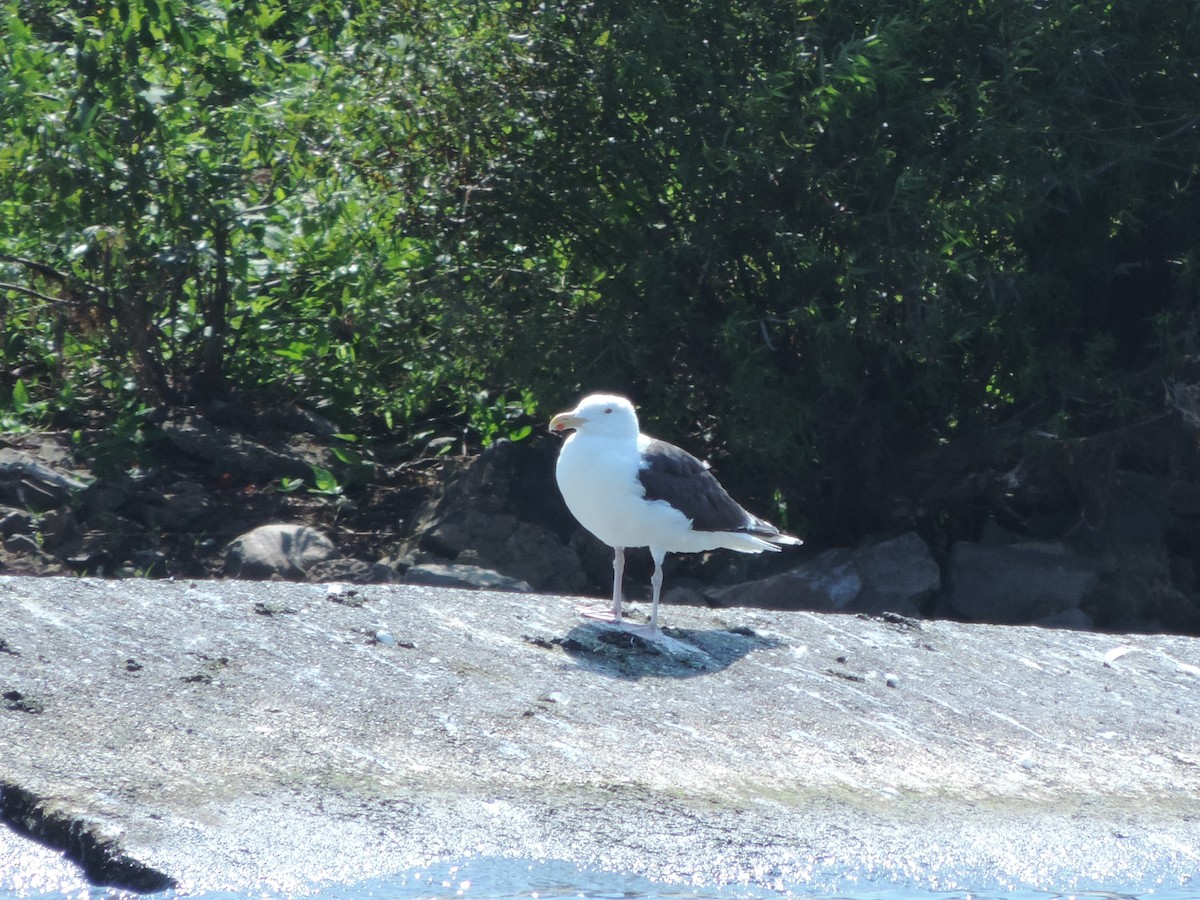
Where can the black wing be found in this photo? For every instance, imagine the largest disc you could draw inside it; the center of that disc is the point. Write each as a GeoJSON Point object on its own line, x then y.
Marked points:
{"type": "Point", "coordinates": [674, 475]}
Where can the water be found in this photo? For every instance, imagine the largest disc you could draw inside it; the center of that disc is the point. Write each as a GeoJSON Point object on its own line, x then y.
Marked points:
{"type": "Point", "coordinates": [28, 870]}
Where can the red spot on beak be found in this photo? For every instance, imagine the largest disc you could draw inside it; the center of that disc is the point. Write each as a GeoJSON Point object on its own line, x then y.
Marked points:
{"type": "Point", "coordinates": [563, 422]}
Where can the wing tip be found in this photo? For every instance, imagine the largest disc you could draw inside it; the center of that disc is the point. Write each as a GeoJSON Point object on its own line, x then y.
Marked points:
{"type": "Point", "coordinates": [786, 540]}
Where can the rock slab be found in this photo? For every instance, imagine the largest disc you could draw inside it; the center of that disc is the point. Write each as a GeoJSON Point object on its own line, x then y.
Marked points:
{"type": "Point", "coordinates": [895, 575]}
{"type": "Point", "coordinates": [244, 735]}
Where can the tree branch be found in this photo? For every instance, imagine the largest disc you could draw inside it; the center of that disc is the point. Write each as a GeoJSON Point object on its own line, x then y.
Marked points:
{"type": "Point", "coordinates": [21, 289]}
{"type": "Point", "coordinates": [51, 272]}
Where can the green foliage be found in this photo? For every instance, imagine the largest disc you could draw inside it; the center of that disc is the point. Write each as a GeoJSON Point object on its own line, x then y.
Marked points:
{"type": "Point", "coordinates": [835, 234]}
{"type": "Point", "coordinates": [185, 203]}
{"type": "Point", "coordinates": [810, 238]}
{"type": "Point", "coordinates": [325, 482]}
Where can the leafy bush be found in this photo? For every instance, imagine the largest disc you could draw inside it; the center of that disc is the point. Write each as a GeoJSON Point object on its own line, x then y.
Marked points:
{"type": "Point", "coordinates": [183, 204]}
{"type": "Point", "coordinates": [824, 237]}
{"type": "Point", "coordinates": [811, 239]}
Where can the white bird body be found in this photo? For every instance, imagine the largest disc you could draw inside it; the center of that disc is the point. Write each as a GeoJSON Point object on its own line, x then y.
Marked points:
{"type": "Point", "coordinates": [630, 490]}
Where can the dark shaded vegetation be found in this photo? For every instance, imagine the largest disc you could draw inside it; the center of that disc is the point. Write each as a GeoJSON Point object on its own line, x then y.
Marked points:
{"type": "Point", "coordinates": [822, 244]}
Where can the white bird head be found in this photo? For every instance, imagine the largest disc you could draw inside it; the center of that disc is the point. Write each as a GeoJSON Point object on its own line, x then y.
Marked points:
{"type": "Point", "coordinates": [609, 415]}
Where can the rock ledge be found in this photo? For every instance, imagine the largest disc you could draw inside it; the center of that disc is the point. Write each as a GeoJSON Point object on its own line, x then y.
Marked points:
{"type": "Point", "coordinates": [236, 735]}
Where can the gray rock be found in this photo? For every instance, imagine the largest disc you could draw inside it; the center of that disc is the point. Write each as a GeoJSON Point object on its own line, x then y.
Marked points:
{"type": "Point", "coordinates": [187, 734]}
{"type": "Point", "coordinates": [1016, 584]}
{"type": "Point", "coordinates": [898, 575]}
{"type": "Point", "coordinates": [28, 483]}
{"type": "Point", "coordinates": [827, 583]}
{"type": "Point", "coordinates": [227, 450]}
{"type": "Point", "coordinates": [277, 551]}
{"type": "Point", "coordinates": [15, 521]}
{"type": "Point", "coordinates": [463, 576]}
{"type": "Point", "coordinates": [179, 506]}
{"type": "Point", "coordinates": [894, 575]}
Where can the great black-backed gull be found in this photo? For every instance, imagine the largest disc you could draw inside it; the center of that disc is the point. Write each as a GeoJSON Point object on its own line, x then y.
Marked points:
{"type": "Point", "coordinates": [631, 490]}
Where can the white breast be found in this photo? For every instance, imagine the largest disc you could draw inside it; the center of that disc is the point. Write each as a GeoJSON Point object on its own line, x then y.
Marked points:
{"type": "Point", "coordinates": [598, 479]}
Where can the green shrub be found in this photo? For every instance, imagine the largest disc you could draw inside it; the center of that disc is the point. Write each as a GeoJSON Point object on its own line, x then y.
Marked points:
{"type": "Point", "coordinates": [811, 239]}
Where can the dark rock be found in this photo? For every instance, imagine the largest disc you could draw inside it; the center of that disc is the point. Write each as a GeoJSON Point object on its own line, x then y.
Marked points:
{"type": "Point", "coordinates": [282, 551]}
{"type": "Point", "coordinates": [263, 608]}
{"type": "Point", "coordinates": [232, 452]}
{"type": "Point", "coordinates": [1130, 510]}
{"type": "Point", "coordinates": [896, 575]}
{"type": "Point", "coordinates": [827, 583]}
{"type": "Point", "coordinates": [1016, 584]}
{"type": "Point", "coordinates": [180, 505]}
{"type": "Point", "coordinates": [289, 418]}
{"type": "Point", "coordinates": [186, 502]}
{"type": "Point", "coordinates": [110, 538]}
{"type": "Point", "coordinates": [22, 543]}
{"type": "Point", "coordinates": [1183, 573]}
{"type": "Point", "coordinates": [303, 421]}
{"type": "Point", "coordinates": [1183, 499]}
{"type": "Point", "coordinates": [502, 512]}
{"type": "Point", "coordinates": [15, 521]}
{"type": "Point", "coordinates": [56, 526]}
{"type": "Point", "coordinates": [149, 563]}
{"type": "Point", "coordinates": [343, 596]}
{"type": "Point", "coordinates": [27, 483]}
{"type": "Point", "coordinates": [107, 496]}
{"type": "Point", "coordinates": [87, 562]}
{"type": "Point", "coordinates": [17, 701]}
{"type": "Point", "coordinates": [1129, 531]}
{"type": "Point", "coordinates": [683, 593]}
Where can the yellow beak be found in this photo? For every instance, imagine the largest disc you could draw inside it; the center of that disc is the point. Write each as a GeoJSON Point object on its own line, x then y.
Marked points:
{"type": "Point", "coordinates": [565, 422]}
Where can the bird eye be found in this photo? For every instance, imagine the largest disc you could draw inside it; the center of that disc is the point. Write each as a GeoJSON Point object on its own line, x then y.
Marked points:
{"type": "Point", "coordinates": [607, 411]}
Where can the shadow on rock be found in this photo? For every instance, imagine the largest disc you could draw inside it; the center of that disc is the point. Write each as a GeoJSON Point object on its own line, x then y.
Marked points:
{"type": "Point", "coordinates": [675, 653]}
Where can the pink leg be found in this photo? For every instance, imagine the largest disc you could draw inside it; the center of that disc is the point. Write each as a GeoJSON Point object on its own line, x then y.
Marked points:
{"type": "Point", "coordinates": [649, 632]}
{"type": "Point", "coordinates": [613, 615]}
{"type": "Point", "coordinates": [656, 581]}
{"type": "Point", "coordinates": [618, 581]}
